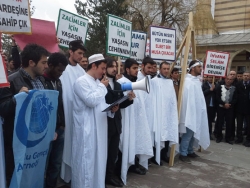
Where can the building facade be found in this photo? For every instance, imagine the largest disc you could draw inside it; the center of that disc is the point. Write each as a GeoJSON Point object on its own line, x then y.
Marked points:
{"type": "Point", "coordinates": [224, 25]}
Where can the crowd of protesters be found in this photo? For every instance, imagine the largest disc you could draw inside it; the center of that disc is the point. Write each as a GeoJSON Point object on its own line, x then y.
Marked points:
{"type": "Point", "coordinates": [227, 103]}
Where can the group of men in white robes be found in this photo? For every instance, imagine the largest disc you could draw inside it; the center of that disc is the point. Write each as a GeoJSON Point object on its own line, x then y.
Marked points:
{"type": "Point", "coordinates": [161, 117]}
{"type": "Point", "coordinates": [148, 123]}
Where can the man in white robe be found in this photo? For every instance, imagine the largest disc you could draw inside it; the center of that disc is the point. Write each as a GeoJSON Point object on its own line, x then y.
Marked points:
{"type": "Point", "coordinates": [164, 110]}
{"type": "Point", "coordinates": [146, 98]}
{"type": "Point", "coordinates": [193, 124]}
{"type": "Point", "coordinates": [68, 78]}
{"type": "Point", "coordinates": [89, 145]}
{"type": "Point", "coordinates": [135, 139]}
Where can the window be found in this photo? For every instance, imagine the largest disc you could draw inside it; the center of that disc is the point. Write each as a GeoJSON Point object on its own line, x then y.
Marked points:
{"type": "Point", "coordinates": [241, 68]}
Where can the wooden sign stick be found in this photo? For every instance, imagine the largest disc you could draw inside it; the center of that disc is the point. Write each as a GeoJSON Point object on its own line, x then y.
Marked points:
{"type": "Point", "coordinates": [190, 38]}
{"type": "Point", "coordinates": [178, 54]}
{"type": "Point", "coordinates": [119, 65]}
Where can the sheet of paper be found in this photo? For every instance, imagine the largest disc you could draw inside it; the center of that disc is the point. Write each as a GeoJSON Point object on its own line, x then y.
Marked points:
{"type": "Point", "coordinates": [119, 101]}
{"type": "Point", "coordinates": [3, 74]}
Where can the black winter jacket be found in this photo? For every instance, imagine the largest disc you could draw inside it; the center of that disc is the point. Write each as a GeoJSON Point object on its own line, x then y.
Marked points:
{"type": "Point", "coordinates": [114, 124]}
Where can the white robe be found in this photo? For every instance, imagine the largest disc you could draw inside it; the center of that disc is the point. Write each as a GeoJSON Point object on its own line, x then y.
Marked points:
{"type": "Point", "coordinates": [147, 99]}
{"type": "Point", "coordinates": [140, 76]}
{"type": "Point", "coordinates": [89, 146]}
{"type": "Point", "coordinates": [193, 112]}
{"type": "Point", "coordinates": [135, 138]}
{"type": "Point", "coordinates": [2, 163]}
{"type": "Point", "coordinates": [68, 78]}
{"type": "Point", "coordinates": [165, 114]}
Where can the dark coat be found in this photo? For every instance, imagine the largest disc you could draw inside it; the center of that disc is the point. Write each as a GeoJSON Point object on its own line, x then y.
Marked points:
{"type": "Point", "coordinates": [243, 102]}
{"type": "Point", "coordinates": [60, 120]}
{"type": "Point", "coordinates": [115, 124]}
{"type": "Point", "coordinates": [8, 104]}
{"type": "Point", "coordinates": [208, 94]}
{"type": "Point", "coordinates": [218, 97]}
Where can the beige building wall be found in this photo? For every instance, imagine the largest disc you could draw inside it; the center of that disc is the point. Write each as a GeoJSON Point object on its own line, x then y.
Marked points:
{"type": "Point", "coordinates": [232, 15]}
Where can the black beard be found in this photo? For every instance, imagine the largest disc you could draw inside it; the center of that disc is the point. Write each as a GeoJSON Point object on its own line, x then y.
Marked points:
{"type": "Point", "coordinates": [131, 78]}
{"type": "Point", "coordinates": [110, 76]}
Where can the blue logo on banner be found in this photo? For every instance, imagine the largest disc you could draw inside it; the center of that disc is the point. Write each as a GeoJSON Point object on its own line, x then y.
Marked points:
{"type": "Point", "coordinates": [40, 115]}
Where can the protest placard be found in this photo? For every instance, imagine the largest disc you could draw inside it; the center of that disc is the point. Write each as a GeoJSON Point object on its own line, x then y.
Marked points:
{"type": "Point", "coordinates": [3, 74]}
{"type": "Point", "coordinates": [43, 33]}
{"type": "Point", "coordinates": [216, 63]}
{"type": "Point", "coordinates": [71, 27]}
{"type": "Point", "coordinates": [162, 43]}
{"type": "Point", "coordinates": [138, 46]}
{"type": "Point", "coordinates": [15, 16]}
{"type": "Point", "coordinates": [147, 52]}
{"type": "Point", "coordinates": [119, 36]}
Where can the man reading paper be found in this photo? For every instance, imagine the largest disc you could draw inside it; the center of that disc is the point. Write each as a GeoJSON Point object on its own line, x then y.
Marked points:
{"type": "Point", "coordinates": [89, 138]}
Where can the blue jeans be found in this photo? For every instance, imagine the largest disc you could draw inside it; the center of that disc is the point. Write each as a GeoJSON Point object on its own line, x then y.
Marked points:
{"type": "Point", "coordinates": [187, 142]}
{"type": "Point", "coordinates": [54, 160]}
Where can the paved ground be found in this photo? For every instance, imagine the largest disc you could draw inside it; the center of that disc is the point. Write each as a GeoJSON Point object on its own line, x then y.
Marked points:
{"type": "Point", "coordinates": [222, 165]}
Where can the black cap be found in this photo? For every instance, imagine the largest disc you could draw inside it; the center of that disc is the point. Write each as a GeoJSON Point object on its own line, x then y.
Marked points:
{"type": "Point", "coordinates": [77, 44]}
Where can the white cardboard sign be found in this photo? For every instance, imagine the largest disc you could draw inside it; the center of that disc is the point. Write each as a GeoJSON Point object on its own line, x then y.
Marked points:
{"type": "Point", "coordinates": [216, 63]}
{"type": "Point", "coordinates": [147, 52]}
{"type": "Point", "coordinates": [162, 43]}
{"type": "Point", "coordinates": [71, 27]}
{"type": "Point", "coordinates": [15, 16]}
{"type": "Point", "coordinates": [3, 76]}
{"type": "Point", "coordinates": [119, 36]}
{"type": "Point", "coordinates": [138, 46]}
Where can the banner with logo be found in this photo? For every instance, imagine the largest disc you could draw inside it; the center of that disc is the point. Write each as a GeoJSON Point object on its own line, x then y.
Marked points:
{"type": "Point", "coordinates": [216, 63]}
{"type": "Point", "coordinates": [71, 27]}
{"type": "Point", "coordinates": [119, 36]}
{"type": "Point", "coordinates": [162, 43]}
{"type": "Point", "coordinates": [15, 16]}
{"type": "Point", "coordinates": [34, 129]}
